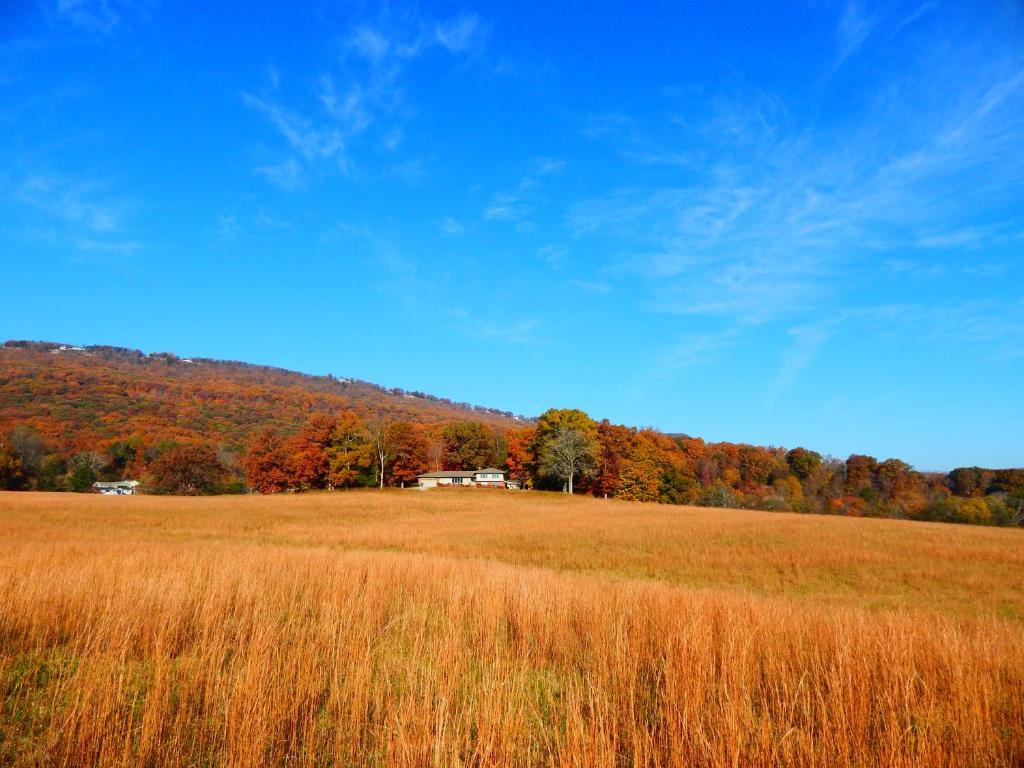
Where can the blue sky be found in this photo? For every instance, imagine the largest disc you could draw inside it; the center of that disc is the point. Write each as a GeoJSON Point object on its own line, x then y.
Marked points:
{"type": "Point", "coordinates": [799, 224]}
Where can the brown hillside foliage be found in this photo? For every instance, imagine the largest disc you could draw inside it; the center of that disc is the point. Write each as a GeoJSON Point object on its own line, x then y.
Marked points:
{"type": "Point", "coordinates": [82, 399]}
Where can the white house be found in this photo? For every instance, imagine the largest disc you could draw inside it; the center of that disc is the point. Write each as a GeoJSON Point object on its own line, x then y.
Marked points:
{"type": "Point", "coordinates": [488, 477]}
{"type": "Point", "coordinates": [120, 488]}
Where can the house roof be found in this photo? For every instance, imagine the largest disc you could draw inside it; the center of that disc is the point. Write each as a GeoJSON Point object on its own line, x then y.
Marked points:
{"type": "Point", "coordinates": [462, 473]}
{"type": "Point", "coordinates": [118, 484]}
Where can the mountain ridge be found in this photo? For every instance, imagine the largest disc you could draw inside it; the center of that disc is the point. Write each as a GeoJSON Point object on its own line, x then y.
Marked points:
{"type": "Point", "coordinates": [119, 391]}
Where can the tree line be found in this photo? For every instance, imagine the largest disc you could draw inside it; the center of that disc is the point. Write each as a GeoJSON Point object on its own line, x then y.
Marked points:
{"type": "Point", "coordinates": [563, 450]}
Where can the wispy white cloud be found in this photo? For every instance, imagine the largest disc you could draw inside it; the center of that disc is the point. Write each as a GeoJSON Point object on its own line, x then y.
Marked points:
{"type": "Point", "coordinates": [84, 203]}
{"type": "Point", "coordinates": [554, 254]}
{"type": "Point", "coordinates": [121, 247]}
{"type": "Point", "coordinates": [80, 214]}
{"type": "Point", "coordinates": [100, 16]}
{"type": "Point", "coordinates": [986, 328]}
{"type": "Point", "coordinates": [630, 140]}
{"type": "Point", "coordinates": [506, 207]}
{"type": "Point", "coordinates": [287, 174]}
{"type": "Point", "coordinates": [228, 227]}
{"type": "Point", "coordinates": [904, 268]}
{"type": "Point", "coordinates": [450, 226]}
{"type": "Point", "coordinates": [990, 329]}
{"type": "Point", "coordinates": [363, 97]}
{"type": "Point", "coordinates": [370, 44]}
{"type": "Point", "coordinates": [916, 13]}
{"type": "Point", "coordinates": [855, 25]}
{"type": "Point", "coordinates": [516, 206]}
{"type": "Point", "coordinates": [963, 236]}
{"type": "Point", "coordinates": [886, 22]}
{"type": "Point", "coordinates": [241, 222]}
{"type": "Point", "coordinates": [742, 115]}
{"type": "Point", "coordinates": [591, 286]}
{"type": "Point", "coordinates": [411, 171]}
{"type": "Point", "coordinates": [549, 165]}
{"type": "Point", "coordinates": [511, 332]}
{"type": "Point", "coordinates": [993, 328]}
{"type": "Point", "coordinates": [805, 343]}
{"type": "Point", "coordinates": [398, 274]}
{"type": "Point", "coordinates": [351, 110]}
{"type": "Point", "coordinates": [696, 349]}
{"type": "Point", "coordinates": [460, 34]}
{"type": "Point", "coordinates": [775, 215]}
{"type": "Point", "coordinates": [987, 270]}
{"type": "Point", "coordinates": [311, 142]}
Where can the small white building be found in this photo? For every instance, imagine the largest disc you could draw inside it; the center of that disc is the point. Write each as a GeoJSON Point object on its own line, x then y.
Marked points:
{"type": "Point", "coordinates": [488, 478]}
{"type": "Point", "coordinates": [119, 488]}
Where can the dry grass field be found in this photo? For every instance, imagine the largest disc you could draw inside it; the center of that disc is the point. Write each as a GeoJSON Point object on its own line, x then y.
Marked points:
{"type": "Point", "coordinates": [458, 628]}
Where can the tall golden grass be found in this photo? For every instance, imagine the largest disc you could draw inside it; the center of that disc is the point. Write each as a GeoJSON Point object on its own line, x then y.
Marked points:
{"type": "Point", "coordinates": [478, 628]}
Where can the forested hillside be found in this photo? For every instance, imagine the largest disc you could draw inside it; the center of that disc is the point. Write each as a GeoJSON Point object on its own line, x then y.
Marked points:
{"type": "Point", "coordinates": [70, 416]}
{"type": "Point", "coordinates": [79, 398]}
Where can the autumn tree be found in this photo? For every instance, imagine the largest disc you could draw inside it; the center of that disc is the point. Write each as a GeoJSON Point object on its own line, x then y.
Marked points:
{"type": "Point", "coordinates": [756, 465]}
{"type": "Point", "coordinates": [860, 474]}
{"type": "Point", "coordinates": [309, 465]}
{"type": "Point", "coordinates": [187, 470]}
{"type": "Point", "coordinates": [1014, 507]}
{"type": "Point", "coordinates": [52, 472]}
{"type": "Point", "coordinates": [557, 423]}
{"type": "Point", "coordinates": [435, 448]}
{"type": "Point", "coordinates": [900, 486]}
{"type": "Point", "coordinates": [499, 448]}
{"type": "Point", "coordinates": [467, 445]}
{"type": "Point", "coordinates": [521, 460]}
{"type": "Point", "coordinates": [349, 453]}
{"type": "Point", "coordinates": [803, 463]}
{"type": "Point", "coordinates": [85, 468]}
{"type": "Point", "coordinates": [678, 486]}
{"type": "Point", "coordinates": [727, 462]}
{"type": "Point", "coordinates": [640, 479]}
{"type": "Point", "coordinates": [568, 453]}
{"type": "Point", "coordinates": [970, 481]}
{"type": "Point", "coordinates": [692, 448]}
{"type": "Point", "coordinates": [11, 476]}
{"type": "Point", "coordinates": [826, 483]}
{"type": "Point", "coordinates": [552, 419]}
{"type": "Point", "coordinates": [971, 510]}
{"type": "Point", "coordinates": [789, 488]}
{"type": "Point", "coordinates": [124, 457]}
{"type": "Point", "coordinates": [411, 451]}
{"type": "Point", "coordinates": [615, 443]}
{"type": "Point", "coordinates": [266, 463]}
{"type": "Point", "coordinates": [1008, 481]}
{"type": "Point", "coordinates": [379, 430]}
{"type": "Point", "coordinates": [718, 495]}
{"type": "Point", "coordinates": [29, 447]}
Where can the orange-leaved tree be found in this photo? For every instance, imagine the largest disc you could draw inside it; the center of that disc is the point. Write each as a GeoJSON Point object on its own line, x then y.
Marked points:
{"type": "Point", "coordinates": [267, 463]}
